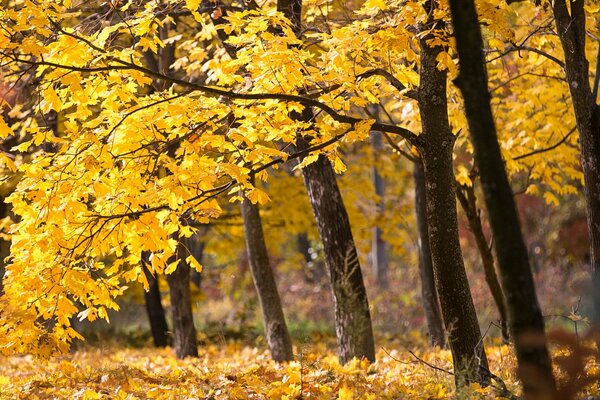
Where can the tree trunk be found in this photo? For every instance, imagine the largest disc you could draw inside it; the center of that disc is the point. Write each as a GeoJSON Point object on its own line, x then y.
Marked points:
{"type": "Point", "coordinates": [571, 30]}
{"type": "Point", "coordinates": [458, 311]}
{"type": "Point", "coordinates": [379, 249]}
{"type": "Point", "coordinates": [276, 330]}
{"type": "Point", "coordinates": [354, 331]}
{"type": "Point", "coordinates": [431, 305]}
{"type": "Point", "coordinates": [184, 331]}
{"type": "Point", "coordinates": [156, 312]}
{"type": "Point", "coordinates": [352, 316]}
{"type": "Point", "coordinates": [4, 244]}
{"type": "Point", "coordinates": [196, 245]}
{"type": "Point", "coordinates": [525, 317]}
{"type": "Point", "coordinates": [468, 202]}
{"type": "Point", "coordinates": [314, 268]}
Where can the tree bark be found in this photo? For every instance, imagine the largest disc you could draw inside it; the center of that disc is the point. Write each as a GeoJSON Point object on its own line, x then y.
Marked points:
{"type": "Point", "coordinates": [354, 330]}
{"type": "Point", "coordinates": [379, 248]}
{"type": "Point", "coordinates": [352, 316]}
{"type": "Point", "coordinates": [525, 317]}
{"type": "Point", "coordinates": [429, 295]}
{"type": "Point", "coordinates": [571, 31]}
{"type": "Point", "coordinates": [276, 330]}
{"type": "Point", "coordinates": [4, 244]}
{"type": "Point", "coordinates": [155, 310]}
{"type": "Point", "coordinates": [184, 331]}
{"type": "Point", "coordinates": [458, 311]}
{"type": "Point", "coordinates": [468, 202]}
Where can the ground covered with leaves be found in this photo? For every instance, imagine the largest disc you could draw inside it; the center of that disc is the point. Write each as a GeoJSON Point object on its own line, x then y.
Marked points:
{"type": "Point", "coordinates": [234, 371]}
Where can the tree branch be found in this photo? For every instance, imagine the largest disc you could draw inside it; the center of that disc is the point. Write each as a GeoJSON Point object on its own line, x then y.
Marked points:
{"type": "Point", "coordinates": [554, 146]}
{"type": "Point", "coordinates": [410, 93]}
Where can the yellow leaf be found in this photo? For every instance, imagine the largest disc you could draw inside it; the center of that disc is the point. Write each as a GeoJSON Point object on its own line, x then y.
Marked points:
{"type": "Point", "coordinates": [91, 395]}
{"type": "Point", "coordinates": [5, 130]}
{"type": "Point", "coordinates": [345, 393]}
{"type": "Point", "coordinates": [257, 196]}
{"type": "Point", "coordinates": [191, 260]}
{"type": "Point", "coordinates": [377, 4]}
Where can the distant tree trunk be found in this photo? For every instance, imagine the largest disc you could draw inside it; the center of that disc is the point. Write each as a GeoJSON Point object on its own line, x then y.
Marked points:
{"type": "Point", "coordinates": [379, 254]}
{"type": "Point", "coordinates": [184, 331]}
{"type": "Point", "coordinates": [525, 317]}
{"type": "Point", "coordinates": [468, 202]}
{"type": "Point", "coordinates": [460, 318]}
{"type": "Point", "coordinates": [155, 310]}
{"type": "Point", "coordinates": [354, 330]}
{"type": "Point", "coordinates": [4, 244]}
{"type": "Point", "coordinates": [196, 245]}
{"type": "Point", "coordinates": [431, 305]}
{"type": "Point", "coordinates": [315, 270]}
{"type": "Point", "coordinates": [276, 330]}
{"type": "Point", "coordinates": [571, 30]}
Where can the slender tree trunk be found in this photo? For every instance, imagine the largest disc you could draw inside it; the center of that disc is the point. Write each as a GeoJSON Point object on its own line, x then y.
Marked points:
{"type": "Point", "coordinates": [352, 316]}
{"type": "Point", "coordinates": [184, 331]}
{"type": "Point", "coordinates": [196, 245]}
{"type": "Point", "coordinates": [315, 270]}
{"type": "Point", "coordinates": [571, 30]}
{"type": "Point", "coordinates": [460, 318]}
{"type": "Point", "coordinates": [156, 312]}
{"type": "Point", "coordinates": [468, 202]}
{"type": "Point", "coordinates": [276, 330]}
{"type": "Point", "coordinates": [525, 317]}
{"type": "Point", "coordinates": [431, 304]}
{"type": "Point", "coordinates": [379, 248]}
{"type": "Point", "coordinates": [354, 330]}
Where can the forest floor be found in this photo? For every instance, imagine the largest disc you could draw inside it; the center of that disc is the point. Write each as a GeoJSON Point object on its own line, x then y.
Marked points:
{"type": "Point", "coordinates": [235, 371]}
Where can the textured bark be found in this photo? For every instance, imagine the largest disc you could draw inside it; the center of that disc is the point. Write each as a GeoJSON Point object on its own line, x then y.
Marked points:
{"type": "Point", "coordinates": [354, 330]}
{"type": "Point", "coordinates": [4, 244]}
{"type": "Point", "coordinates": [156, 312]}
{"type": "Point", "coordinates": [184, 331]}
{"type": "Point", "coordinates": [352, 316]}
{"type": "Point", "coordinates": [276, 330]}
{"type": "Point", "coordinates": [571, 30]}
{"type": "Point", "coordinates": [458, 311]}
{"type": "Point", "coordinates": [379, 248]}
{"type": "Point", "coordinates": [525, 317]}
{"type": "Point", "coordinates": [429, 295]}
{"type": "Point", "coordinates": [468, 202]}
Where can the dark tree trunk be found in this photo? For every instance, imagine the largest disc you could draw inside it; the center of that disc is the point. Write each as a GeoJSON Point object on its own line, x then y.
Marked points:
{"type": "Point", "coordinates": [276, 330]}
{"type": "Point", "coordinates": [525, 317]}
{"type": "Point", "coordinates": [571, 30]}
{"type": "Point", "coordinates": [155, 310]}
{"type": "Point", "coordinates": [431, 305]}
{"type": "Point", "coordinates": [379, 249]}
{"type": "Point", "coordinates": [315, 270]}
{"type": "Point", "coordinates": [4, 244]}
{"type": "Point", "coordinates": [196, 245]}
{"type": "Point", "coordinates": [354, 330]}
{"type": "Point", "coordinates": [458, 311]}
{"type": "Point", "coordinates": [468, 202]}
{"type": "Point", "coordinates": [184, 331]}
{"type": "Point", "coordinates": [352, 316]}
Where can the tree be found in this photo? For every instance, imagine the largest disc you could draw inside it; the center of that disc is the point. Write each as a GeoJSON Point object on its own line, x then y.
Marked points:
{"type": "Point", "coordinates": [276, 330]}
{"type": "Point", "coordinates": [430, 298]}
{"type": "Point", "coordinates": [570, 20]}
{"type": "Point", "coordinates": [354, 330]}
{"type": "Point", "coordinates": [525, 317]}
{"type": "Point", "coordinates": [436, 148]}
{"type": "Point", "coordinates": [468, 202]}
{"type": "Point", "coordinates": [156, 313]}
